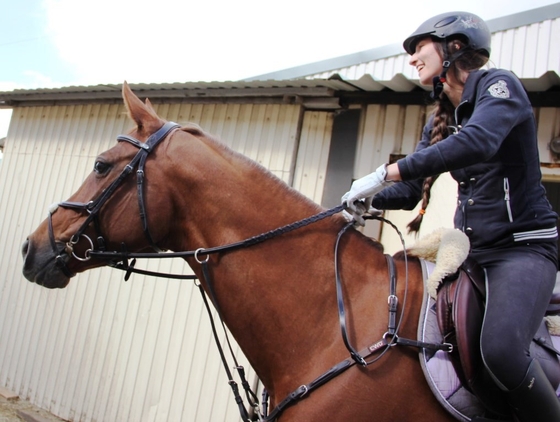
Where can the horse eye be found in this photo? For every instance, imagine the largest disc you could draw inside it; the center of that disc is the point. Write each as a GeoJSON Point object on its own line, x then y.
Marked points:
{"type": "Point", "coordinates": [101, 167]}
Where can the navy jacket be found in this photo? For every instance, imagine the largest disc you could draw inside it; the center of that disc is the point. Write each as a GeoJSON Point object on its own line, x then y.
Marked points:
{"type": "Point", "coordinates": [494, 159]}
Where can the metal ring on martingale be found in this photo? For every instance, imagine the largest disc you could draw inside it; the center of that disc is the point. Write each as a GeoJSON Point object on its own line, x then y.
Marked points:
{"type": "Point", "coordinates": [199, 250]}
{"type": "Point", "coordinates": [87, 256]}
{"type": "Point", "coordinates": [393, 341]}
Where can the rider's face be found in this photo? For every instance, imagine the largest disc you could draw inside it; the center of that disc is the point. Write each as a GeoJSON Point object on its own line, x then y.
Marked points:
{"type": "Point", "coordinates": [427, 61]}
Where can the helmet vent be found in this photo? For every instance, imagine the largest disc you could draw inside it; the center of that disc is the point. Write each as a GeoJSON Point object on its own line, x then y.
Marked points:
{"type": "Point", "coordinates": [446, 21]}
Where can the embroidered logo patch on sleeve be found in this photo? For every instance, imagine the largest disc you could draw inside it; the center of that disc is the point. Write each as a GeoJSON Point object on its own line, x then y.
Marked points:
{"type": "Point", "coordinates": [499, 90]}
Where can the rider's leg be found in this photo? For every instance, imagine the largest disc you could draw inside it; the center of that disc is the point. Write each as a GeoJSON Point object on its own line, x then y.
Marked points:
{"type": "Point", "coordinates": [520, 283]}
{"type": "Point", "coordinates": [534, 399]}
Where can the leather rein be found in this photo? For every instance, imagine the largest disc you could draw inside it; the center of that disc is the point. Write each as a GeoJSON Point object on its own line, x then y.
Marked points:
{"type": "Point", "coordinates": [120, 260]}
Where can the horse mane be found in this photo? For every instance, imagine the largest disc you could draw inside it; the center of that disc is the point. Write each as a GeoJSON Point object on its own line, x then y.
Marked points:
{"type": "Point", "coordinates": [263, 172]}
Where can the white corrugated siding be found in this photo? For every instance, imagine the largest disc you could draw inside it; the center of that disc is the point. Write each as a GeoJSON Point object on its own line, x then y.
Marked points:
{"type": "Point", "coordinates": [529, 51]}
{"type": "Point", "coordinates": [313, 154]}
{"type": "Point", "coordinates": [103, 349]}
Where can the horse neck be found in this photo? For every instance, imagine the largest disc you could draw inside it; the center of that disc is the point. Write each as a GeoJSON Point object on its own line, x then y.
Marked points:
{"type": "Point", "coordinates": [267, 291]}
{"type": "Point", "coordinates": [223, 197]}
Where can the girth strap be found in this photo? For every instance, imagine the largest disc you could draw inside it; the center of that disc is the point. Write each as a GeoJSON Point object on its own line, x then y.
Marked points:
{"type": "Point", "coordinates": [392, 300]}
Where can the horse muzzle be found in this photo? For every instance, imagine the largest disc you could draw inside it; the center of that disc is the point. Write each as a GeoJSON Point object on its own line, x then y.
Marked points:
{"type": "Point", "coordinates": [44, 269]}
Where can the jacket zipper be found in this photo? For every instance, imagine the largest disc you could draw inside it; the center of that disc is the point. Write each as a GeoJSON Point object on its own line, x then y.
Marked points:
{"type": "Point", "coordinates": [458, 127]}
{"type": "Point", "coordinates": [507, 199]}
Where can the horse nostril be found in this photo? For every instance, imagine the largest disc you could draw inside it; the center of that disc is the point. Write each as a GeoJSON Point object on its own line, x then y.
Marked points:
{"type": "Point", "coordinates": [25, 248]}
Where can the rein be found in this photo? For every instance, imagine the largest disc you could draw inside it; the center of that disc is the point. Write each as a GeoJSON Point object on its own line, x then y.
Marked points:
{"type": "Point", "coordinates": [120, 260]}
{"type": "Point", "coordinates": [124, 255]}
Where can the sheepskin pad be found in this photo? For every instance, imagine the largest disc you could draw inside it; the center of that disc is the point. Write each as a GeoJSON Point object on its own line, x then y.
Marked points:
{"type": "Point", "coordinates": [447, 248]}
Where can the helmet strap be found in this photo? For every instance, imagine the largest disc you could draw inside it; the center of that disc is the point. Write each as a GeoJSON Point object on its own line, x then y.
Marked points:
{"type": "Point", "coordinates": [438, 81]}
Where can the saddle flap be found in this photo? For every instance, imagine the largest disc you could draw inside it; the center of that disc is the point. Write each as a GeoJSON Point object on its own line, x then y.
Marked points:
{"type": "Point", "coordinates": [460, 311]}
{"type": "Point", "coordinates": [468, 315]}
{"type": "Point", "coordinates": [464, 300]}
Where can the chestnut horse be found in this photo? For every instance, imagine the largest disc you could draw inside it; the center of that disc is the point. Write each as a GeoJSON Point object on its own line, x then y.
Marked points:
{"type": "Point", "coordinates": [277, 297]}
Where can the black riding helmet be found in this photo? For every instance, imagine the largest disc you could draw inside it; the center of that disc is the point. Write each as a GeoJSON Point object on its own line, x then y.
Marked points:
{"type": "Point", "coordinates": [472, 29]}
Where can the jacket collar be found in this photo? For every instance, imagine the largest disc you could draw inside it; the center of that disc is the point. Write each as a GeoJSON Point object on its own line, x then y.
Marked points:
{"type": "Point", "coordinates": [469, 92]}
{"type": "Point", "coordinates": [468, 98]}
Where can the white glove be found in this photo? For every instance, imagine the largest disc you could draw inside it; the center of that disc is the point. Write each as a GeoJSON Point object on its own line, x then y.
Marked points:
{"type": "Point", "coordinates": [357, 216]}
{"type": "Point", "coordinates": [366, 187]}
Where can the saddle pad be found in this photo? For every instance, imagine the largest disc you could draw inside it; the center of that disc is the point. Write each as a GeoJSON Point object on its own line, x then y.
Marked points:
{"type": "Point", "coordinates": [437, 366]}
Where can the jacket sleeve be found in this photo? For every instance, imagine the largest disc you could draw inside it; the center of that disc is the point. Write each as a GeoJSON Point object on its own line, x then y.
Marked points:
{"type": "Point", "coordinates": [400, 196]}
{"type": "Point", "coordinates": [501, 104]}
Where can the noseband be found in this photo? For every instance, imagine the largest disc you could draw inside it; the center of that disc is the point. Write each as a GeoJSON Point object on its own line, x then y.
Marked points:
{"type": "Point", "coordinates": [93, 207]}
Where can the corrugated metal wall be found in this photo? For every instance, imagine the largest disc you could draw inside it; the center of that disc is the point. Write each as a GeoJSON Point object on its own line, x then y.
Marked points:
{"type": "Point", "coordinates": [313, 154]}
{"type": "Point", "coordinates": [103, 349]}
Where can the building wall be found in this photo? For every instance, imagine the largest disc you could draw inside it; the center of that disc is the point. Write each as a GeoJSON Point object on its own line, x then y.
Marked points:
{"type": "Point", "coordinates": [103, 349]}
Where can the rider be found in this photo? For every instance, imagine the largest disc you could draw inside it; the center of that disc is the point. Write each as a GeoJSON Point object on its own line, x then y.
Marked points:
{"type": "Point", "coordinates": [483, 132]}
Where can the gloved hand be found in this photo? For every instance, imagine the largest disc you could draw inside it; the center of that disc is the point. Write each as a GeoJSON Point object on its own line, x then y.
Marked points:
{"type": "Point", "coordinates": [358, 216]}
{"type": "Point", "coordinates": [365, 188]}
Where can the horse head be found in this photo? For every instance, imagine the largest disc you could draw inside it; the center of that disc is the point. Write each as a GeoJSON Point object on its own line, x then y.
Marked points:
{"type": "Point", "coordinates": [104, 212]}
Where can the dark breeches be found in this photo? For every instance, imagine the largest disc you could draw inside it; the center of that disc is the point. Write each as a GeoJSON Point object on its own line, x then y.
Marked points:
{"type": "Point", "coordinates": [519, 285]}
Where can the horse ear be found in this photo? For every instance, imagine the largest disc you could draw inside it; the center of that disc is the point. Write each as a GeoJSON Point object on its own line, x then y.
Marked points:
{"type": "Point", "coordinates": [142, 113]}
{"type": "Point", "coordinates": [150, 106]}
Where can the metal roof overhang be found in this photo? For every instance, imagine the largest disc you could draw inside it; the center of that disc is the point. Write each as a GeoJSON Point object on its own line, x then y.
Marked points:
{"type": "Point", "coordinates": [332, 93]}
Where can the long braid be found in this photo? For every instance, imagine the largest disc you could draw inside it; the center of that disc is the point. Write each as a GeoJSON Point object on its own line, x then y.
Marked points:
{"type": "Point", "coordinates": [443, 113]}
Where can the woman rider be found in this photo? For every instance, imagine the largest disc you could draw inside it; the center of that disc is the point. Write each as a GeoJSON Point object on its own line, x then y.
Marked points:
{"type": "Point", "coordinates": [484, 133]}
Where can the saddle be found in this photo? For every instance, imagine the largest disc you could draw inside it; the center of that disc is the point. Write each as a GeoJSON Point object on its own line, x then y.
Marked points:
{"type": "Point", "coordinates": [460, 307]}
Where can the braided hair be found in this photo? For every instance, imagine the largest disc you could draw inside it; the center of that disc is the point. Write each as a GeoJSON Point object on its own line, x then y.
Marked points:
{"type": "Point", "coordinates": [443, 112]}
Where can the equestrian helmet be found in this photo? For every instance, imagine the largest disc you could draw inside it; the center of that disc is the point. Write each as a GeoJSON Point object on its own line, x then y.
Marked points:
{"type": "Point", "coordinates": [445, 25]}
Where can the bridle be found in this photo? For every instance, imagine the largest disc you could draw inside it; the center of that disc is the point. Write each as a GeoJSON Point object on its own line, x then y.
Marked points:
{"type": "Point", "coordinates": [93, 207]}
{"type": "Point", "coordinates": [120, 260]}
